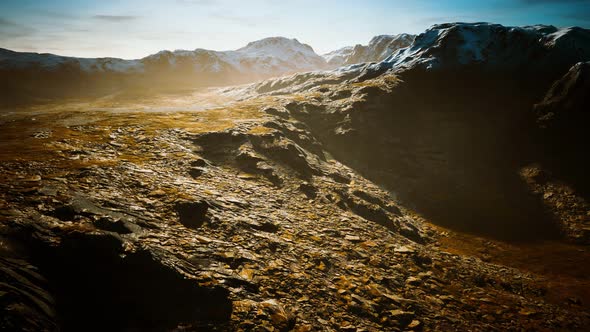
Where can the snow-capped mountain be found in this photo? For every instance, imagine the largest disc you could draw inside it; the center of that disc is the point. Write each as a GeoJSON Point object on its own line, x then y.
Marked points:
{"type": "Point", "coordinates": [11, 60]}
{"type": "Point", "coordinates": [266, 57]}
{"type": "Point", "coordinates": [338, 57]}
{"type": "Point", "coordinates": [536, 54]}
{"type": "Point", "coordinates": [494, 46]}
{"type": "Point", "coordinates": [272, 56]}
{"type": "Point", "coordinates": [49, 74]}
{"type": "Point", "coordinates": [379, 48]}
{"type": "Point", "coordinates": [277, 54]}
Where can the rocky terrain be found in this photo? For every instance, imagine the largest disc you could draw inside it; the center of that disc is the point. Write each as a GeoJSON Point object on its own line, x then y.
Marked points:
{"type": "Point", "coordinates": [464, 109]}
{"type": "Point", "coordinates": [379, 48]}
{"type": "Point", "coordinates": [430, 191]}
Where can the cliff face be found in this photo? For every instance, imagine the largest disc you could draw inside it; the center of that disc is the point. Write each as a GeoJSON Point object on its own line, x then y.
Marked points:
{"type": "Point", "coordinates": [561, 175]}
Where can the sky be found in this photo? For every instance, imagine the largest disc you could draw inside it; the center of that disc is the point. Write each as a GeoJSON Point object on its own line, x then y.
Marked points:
{"type": "Point", "coordinates": [136, 28]}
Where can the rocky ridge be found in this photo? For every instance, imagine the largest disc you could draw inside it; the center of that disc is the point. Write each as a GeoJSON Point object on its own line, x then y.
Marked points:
{"type": "Point", "coordinates": [439, 119]}
{"type": "Point", "coordinates": [378, 49]}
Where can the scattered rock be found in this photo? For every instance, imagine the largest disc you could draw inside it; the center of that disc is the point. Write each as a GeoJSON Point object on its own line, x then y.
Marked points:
{"type": "Point", "coordinates": [281, 318]}
{"type": "Point", "coordinates": [119, 226]}
{"type": "Point", "coordinates": [264, 226]}
{"type": "Point", "coordinates": [192, 214]}
{"type": "Point", "coordinates": [404, 318]}
{"type": "Point", "coordinates": [413, 281]}
{"type": "Point", "coordinates": [339, 177]}
{"type": "Point", "coordinates": [415, 325]}
{"type": "Point", "coordinates": [282, 113]}
{"type": "Point", "coordinates": [309, 190]}
{"type": "Point", "coordinates": [195, 172]}
{"type": "Point", "coordinates": [199, 163]}
{"type": "Point", "coordinates": [404, 250]}
{"type": "Point", "coordinates": [352, 238]}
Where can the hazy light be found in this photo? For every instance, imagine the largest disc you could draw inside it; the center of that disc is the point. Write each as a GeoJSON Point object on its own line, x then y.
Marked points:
{"type": "Point", "coordinates": [134, 28]}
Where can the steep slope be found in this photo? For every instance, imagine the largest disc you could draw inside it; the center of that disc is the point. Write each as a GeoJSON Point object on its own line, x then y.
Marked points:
{"type": "Point", "coordinates": [565, 106]}
{"type": "Point", "coordinates": [561, 176]}
{"type": "Point", "coordinates": [447, 124]}
{"type": "Point", "coordinates": [379, 48]}
{"type": "Point", "coordinates": [48, 75]}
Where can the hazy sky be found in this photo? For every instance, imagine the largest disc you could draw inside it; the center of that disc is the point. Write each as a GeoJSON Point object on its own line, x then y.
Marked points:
{"type": "Point", "coordinates": [136, 28]}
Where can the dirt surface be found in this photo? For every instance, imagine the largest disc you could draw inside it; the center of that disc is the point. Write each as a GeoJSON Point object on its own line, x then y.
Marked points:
{"type": "Point", "coordinates": [230, 215]}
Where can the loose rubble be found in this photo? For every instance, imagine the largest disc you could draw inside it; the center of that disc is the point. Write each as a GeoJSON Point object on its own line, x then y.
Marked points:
{"type": "Point", "coordinates": [271, 233]}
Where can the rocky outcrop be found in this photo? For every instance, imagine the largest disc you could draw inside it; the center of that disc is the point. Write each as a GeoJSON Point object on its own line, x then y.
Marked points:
{"type": "Point", "coordinates": [26, 300]}
{"type": "Point", "coordinates": [451, 164]}
{"type": "Point", "coordinates": [564, 107]}
{"type": "Point", "coordinates": [446, 123]}
{"type": "Point", "coordinates": [378, 49]}
{"type": "Point", "coordinates": [560, 176]}
{"type": "Point", "coordinates": [536, 50]}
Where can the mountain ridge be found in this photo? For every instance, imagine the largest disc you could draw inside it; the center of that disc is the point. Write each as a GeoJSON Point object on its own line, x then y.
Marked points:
{"type": "Point", "coordinates": [271, 46]}
{"type": "Point", "coordinates": [26, 77]}
{"type": "Point", "coordinates": [455, 110]}
{"type": "Point", "coordinates": [378, 48]}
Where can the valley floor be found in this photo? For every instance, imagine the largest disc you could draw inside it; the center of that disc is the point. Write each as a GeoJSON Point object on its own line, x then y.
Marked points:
{"type": "Point", "coordinates": [204, 212]}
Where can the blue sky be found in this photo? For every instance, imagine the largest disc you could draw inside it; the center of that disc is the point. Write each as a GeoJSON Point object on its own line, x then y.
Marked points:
{"type": "Point", "coordinates": [136, 28]}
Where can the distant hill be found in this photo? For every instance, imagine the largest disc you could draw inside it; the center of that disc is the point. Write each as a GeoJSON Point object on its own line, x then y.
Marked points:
{"type": "Point", "coordinates": [33, 75]}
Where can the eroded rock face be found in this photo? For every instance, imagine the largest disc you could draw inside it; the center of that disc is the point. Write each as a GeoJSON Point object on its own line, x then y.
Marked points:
{"type": "Point", "coordinates": [562, 116]}
{"type": "Point", "coordinates": [99, 280]}
{"type": "Point", "coordinates": [253, 153]}
{"type": "Point", "coordinates": [135, 291]}
{"type": "Point", "coordinates": [457, 165]}
{"type": "Point", "coordinates": [560, 174]}
{"type": "Point", "coordinates": [27, 304]}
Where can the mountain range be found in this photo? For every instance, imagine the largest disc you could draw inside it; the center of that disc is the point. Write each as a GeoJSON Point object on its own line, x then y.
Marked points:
{"type": "Point", "coordinates": [48, 75]}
